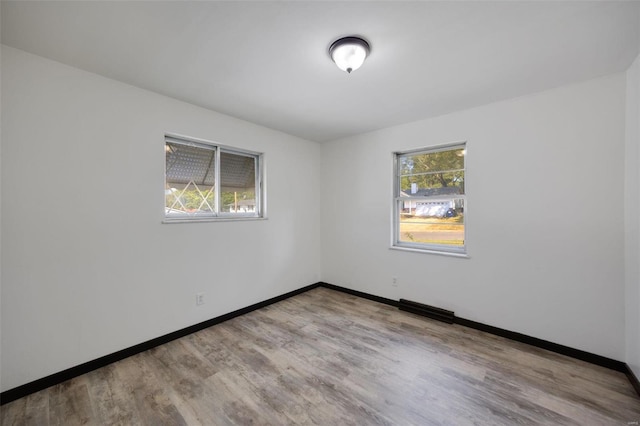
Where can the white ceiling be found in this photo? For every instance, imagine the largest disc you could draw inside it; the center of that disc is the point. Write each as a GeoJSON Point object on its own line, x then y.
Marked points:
{"type": "Point", "coordinates": [267, 62]}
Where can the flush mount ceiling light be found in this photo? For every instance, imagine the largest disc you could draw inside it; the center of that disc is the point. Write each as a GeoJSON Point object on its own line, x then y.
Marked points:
{"type": "Point", "coordinates": [349, 53]}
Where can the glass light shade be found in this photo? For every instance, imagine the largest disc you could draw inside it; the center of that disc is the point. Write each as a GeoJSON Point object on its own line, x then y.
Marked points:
{"type": "Point", "coordinates": [349, 53]}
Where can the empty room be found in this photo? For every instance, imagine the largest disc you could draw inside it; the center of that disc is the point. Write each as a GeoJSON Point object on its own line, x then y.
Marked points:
{"type": "Point", "coordinates": [318, 212]}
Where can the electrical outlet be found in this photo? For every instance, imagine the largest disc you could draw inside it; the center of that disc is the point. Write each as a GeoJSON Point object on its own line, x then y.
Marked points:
{"type": "Point", "coordinates": [394, 282]}
{"type": "Point", "coordinates": [199, 299]}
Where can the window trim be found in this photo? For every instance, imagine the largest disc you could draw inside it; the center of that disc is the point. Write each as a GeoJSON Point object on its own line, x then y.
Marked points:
{"type": "Point", "coordinates": [220, 216]}
{"type": "Point", "coordinates": [440, 249]}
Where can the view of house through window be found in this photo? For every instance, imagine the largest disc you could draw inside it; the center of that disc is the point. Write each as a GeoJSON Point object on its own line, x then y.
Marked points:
{"type": "Point", "coordinates": [430, 199]}
{"type": "Point", "coordinates": [209, 181]}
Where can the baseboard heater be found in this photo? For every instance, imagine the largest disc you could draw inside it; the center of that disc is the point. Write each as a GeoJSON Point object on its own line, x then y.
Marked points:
{"type": "Point", "coordinates": [426, 311]}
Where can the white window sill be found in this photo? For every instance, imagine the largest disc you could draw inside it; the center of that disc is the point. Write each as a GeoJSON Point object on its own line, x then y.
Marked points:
{"type": "Point", "coordinates": [428, 251]}
{"type": "Point", "coordinates": [213, 219]}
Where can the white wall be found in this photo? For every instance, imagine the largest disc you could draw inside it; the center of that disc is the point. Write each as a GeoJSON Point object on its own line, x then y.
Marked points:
{"type": "Point", "coordinates": [544, 219]}
{"type": "Point", "coordinates": [632, 218]}
{"type": "Point", "coordinates": [0, 218]}
{"type": "Point", "coordinates": [88, 269]}
{"type": "Point", "coordinates": [87, 266]}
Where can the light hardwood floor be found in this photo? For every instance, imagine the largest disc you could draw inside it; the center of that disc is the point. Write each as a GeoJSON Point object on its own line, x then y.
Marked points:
{"type": "Point", "coordinates": [328, 358]}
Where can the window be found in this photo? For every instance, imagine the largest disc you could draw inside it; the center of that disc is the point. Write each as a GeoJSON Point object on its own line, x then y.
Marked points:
{"type": "Point", "coordinates": [205, 181]}
{"type": "Point", "coordinates": [429, 199]}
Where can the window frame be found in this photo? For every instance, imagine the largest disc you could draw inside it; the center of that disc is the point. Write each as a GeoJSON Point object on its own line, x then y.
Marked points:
{"type": "Point", "coordinates": [218, 149]}
{"type": "Point", "coordinates": [397, 201]}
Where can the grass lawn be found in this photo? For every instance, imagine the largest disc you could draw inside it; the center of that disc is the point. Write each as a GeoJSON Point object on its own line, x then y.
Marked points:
{"type": "Point", "coordinates": [449, 230]}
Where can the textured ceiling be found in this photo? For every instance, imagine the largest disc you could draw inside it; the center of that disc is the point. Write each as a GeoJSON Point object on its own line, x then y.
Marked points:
{"type": "Point", "coordinates": [267, 62]}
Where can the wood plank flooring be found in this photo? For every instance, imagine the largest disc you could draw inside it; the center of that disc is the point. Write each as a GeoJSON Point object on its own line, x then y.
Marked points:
{"type": "Point", "coordinates": [328, 358]}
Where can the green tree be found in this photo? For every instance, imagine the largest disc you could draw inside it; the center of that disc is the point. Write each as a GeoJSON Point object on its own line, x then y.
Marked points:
{"type": "Point", "coordinates": [433, 170]}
